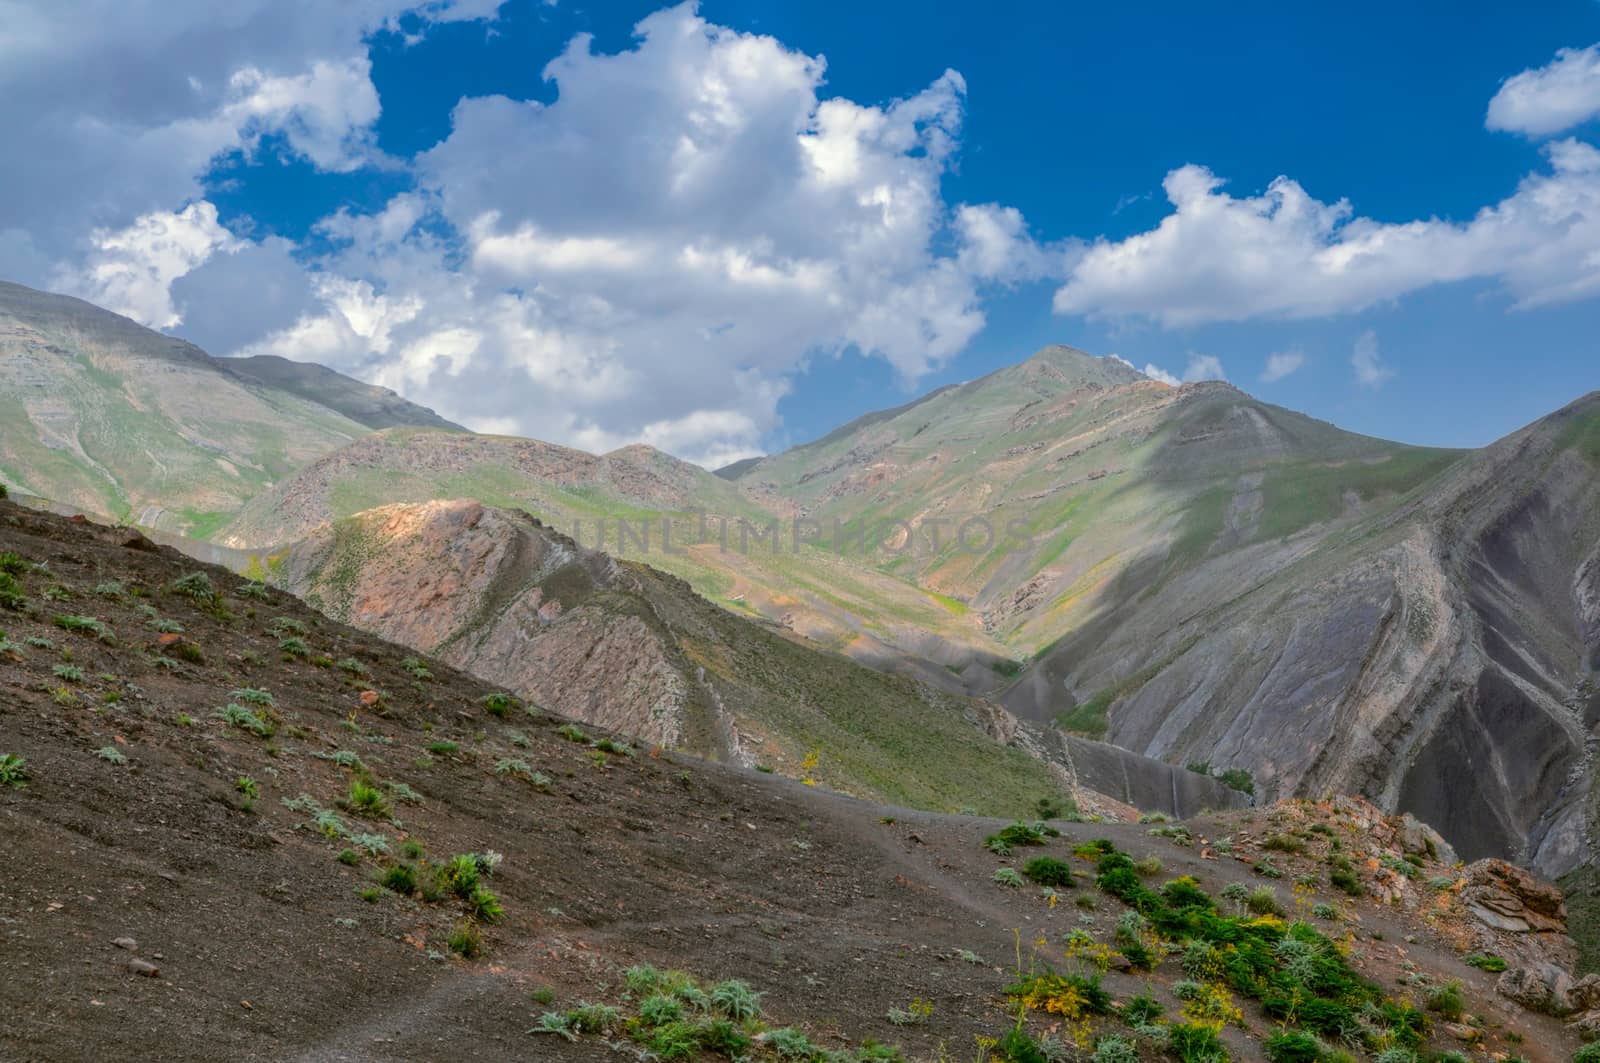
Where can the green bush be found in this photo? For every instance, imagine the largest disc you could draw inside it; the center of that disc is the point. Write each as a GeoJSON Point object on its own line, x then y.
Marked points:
{"type": "Point", "coordinates": [1196, 1044]}
{"type": "Point", "coordinates": [1293, 1046]}
{"type": "Point", "coordinates": [1447, 1000]}
{"type": "Point", "coordinates": [1048, 871]}
{"type": "Point", "coordinates": [1589, 1053]}
{"type": "Point", "coordinates": [401, 879]}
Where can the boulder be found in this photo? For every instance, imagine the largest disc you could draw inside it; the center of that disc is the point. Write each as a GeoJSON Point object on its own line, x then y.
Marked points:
{"type": "Point", "coordinates": [1542, 987]}
{"type": "Point", "coordinates": [1586, 993]}
{"type": "Point", "coordinates": [1419, 839]}
{"type": "Point", "coordinates": [1506, 897]}
{"type": "Point", "coordinates": [1587, 1025]}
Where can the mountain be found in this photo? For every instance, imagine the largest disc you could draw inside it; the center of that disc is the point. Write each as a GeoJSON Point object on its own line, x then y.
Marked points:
{"type": "Point", "coordinates": [621, 645]}
{"type": "Point", "coordinates": [100, 413]}
{"type": "Point", "coordinates": [364, 404]}
{"type": "Point", "coordinates": [234, 841]}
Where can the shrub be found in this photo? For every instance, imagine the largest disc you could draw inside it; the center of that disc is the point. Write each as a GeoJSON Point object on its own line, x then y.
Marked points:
{"type": "Point", "coordinates": [736, 1000]}
{"type": "Point", "coordinates": [1114, 1049]}
{"type": "Point", "coordinates": [1589, 1053]}
{"type": "Point", "coordinates": [1048, 871]}
{"type": "Point", "coordinates": [460, 875]}
{"type": "Point", "coordinates": [111, 755]}
{"type": "Point", "coordinates": [1447, 1000]}
{"type": "Point", "coordinates": [1293, 1046]}
{"type": "Point", "coordinates": [196, 585]}
{"type": "Point", "coordinates": [68, 673]}
{"type": "Point", "coordinates": [235, 715]}
{"type": "Point", "coordinates": [13, 770]}
{"type": "Point", "coordinates": [1149, 867]}
{"type": "Point", "coordinates": [367, 799]}
{"type": "Point", "coordinates": [607, 745]}
{"type": "Point", "coordinates": [466, 940]}
{"type": "Point", "coordinates": [1324, 911]}
{"type": "Point", "coordinates": [499, 705]}
{"type": "Point", "coordinates": [400, 878]}
{"type": "Point", "coordinates": [572, 733]}
{"type": "Point", "coordinates": [1263, 900]}
{"type": "Point", "coordinates": [417, 670]}
{"type": "Point", "coordinates": [512, 766]}
{"type": "Point", "coordinates": [1007, 876]}
{"type": "Point", "coordinates": [443, 748]}
{"type": "Point", "coordinates": [790, 1044]}
{"type": "Point", "coordinates": [1141, 1010]}
{"type": "Point", "coordinates": [1492, 964]}
{"type": "Point", "coordinates": [483, 904]}
{"type": "Point", "coordinates": [1284, 843]}
{"type": "Point", "coordinates": [11, 596]}
{"type": "Point", "coordinates": [349, 857]}
{"type": "Point", "coordinates": [1193, 1043]}
{"type": "Point", "coordinates": [1018, 833]}
{"type": "Point", "coordinates": [351, 666]}
{"type": "Point", "coordinates": [294, 646]}
{"type": "Point", "coordinates": [1238, 779]}
{"type": "Point", "coordinates": [84, 625]}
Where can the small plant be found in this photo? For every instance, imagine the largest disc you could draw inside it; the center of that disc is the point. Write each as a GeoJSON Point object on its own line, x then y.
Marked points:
{"type": "Point", "coordinates": [167, 627]}
{"type": "Point", "coordinates": [370, 894]}
{"type": "Point", "coordinates": [196, 585]}
{"type": "Point", "coordinates": [499, 705]}
{"type": "Point", "coordinates": [1007, 876]}
{"type": "Point", "coordinates": [1114, 1049]}
{"type": "Point", "coordinates": [399, 878]}
{"type": "Point", "coordinates": [294, 647]}
{"type": "Point", "coordinates": [253, 589]}
{"type": "Point", "coordinates": [736, 1000]}
{"type": "Point", "coordinates": [68, 673]}
{"type": "Point", "coordinates": [511, 766]}
{"type": "Point", "coordinates": [914, 1014]}
{"type": "Point", "coordinates": [366, 799]}
{"type": "Point", "coordinates": [13, 770]}
{"type": "Point", "coordinates": [349, 857]}
{"type": "Point", "coordinates": [466, 940]}
{"type": "Point", "coordinates": [1447, 1000]}
{"type": "Point", "coordinates": [404, 793]}
{"type": "Point", "coordinates": [284, 626]}
{"type": "Point", "coordinates": [110, 589]}
{"type": "Point", "coordinates": [1263, 900]}
{"type": "Point", "coordinates": [1284, 843]}
{"type": "Point", "coordinates": [111, 755]}
{"type": "Point", "coordinates": [620, 749]}
{"type": "Point", "coordinates": [416, 669]}
{"type": "Point", "coordinates": [235, 715]}
{"type": "Point", "coordinates": [483, 904]}
{"type": "Point", "coordinates": [443, 749]}
{"type": "Point", "coordinates": [1483, 962]}
{"type": "Point", "coordinates": [572, 733]}
{"type": "Point", "coordinates": [1238, 779]}
{"type": "Point", "coordinates": [1324, 911]}
{"type": "Point", "coordinates": [1149, 867]}
{"type": "Point", "coordinates": [247, 787]}
{"type": "Point", "coordinates": [351, 666]}
{"type": "Point", "coordinates": [84, 625]}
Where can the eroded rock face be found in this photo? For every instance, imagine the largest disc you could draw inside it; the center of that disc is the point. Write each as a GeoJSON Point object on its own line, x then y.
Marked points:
{"type": "Point", "coordinates": [1523, 918]}
{"type": "Point", "coordinates": [1542, 987]}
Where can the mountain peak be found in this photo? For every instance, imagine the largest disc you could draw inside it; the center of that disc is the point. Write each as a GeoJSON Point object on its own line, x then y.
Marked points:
{"type": "Point", "coordinates": [1077, 366]}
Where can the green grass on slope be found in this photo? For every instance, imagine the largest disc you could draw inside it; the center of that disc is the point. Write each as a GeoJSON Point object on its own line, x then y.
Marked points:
{"type": "Point", "coordinates": [1582, 888]}
{"type": "Point", "coordinates": [1301, 495]}
{"type": "Point", "coordinates": [1583, 435]}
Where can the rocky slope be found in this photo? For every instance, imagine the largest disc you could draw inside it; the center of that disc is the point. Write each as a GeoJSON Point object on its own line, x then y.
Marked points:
{"type": "Point", "coordinates": [236, 841]}
{"type": "Point", "coordinates": [102, 414]}
{"type": "Point", "coordinates": [624, 646]}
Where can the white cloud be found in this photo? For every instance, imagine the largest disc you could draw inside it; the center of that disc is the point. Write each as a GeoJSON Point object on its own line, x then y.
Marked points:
{"type": "Point", "coordinates": [1548, 99]}
{"type": "Point", "coordinates": [651, 257]}
{"type": "Point", "coordinates": [1280, 364]}
{"type": "Point", "coordinates": [1155, 372]}
{"type": "Point", "coordinates": [1284, 254]}
{"type": "Point", "coordinates": [116, 109]}
{"type": "Point", "coordinates": [1203, 367]}
{"type": "Point", "coordinates": [1367, 363]}
{"type": "Point", "coordinates": [131, 270]}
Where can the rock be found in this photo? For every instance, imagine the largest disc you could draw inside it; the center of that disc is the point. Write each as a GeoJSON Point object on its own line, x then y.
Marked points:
{"type": "Point", "coordinates": [1419, 839]}
{"type": "Point", "coordinates": [1462, 1032]}
{"type": "Point", "coordinates": [144, 968]}
{"type": "Point", "coordinates": [1586, 993]}
{"type": "Point", "coordinates": [1506, 897]}
{"type": "Point", "coordinates": [1587, 1025]}
{"type": "Point", "coordinates": [126, 943]}
{"type": "Point", "coordinates": [1542, 987]}
{"type": "Point", "coordinates": [370, 698]}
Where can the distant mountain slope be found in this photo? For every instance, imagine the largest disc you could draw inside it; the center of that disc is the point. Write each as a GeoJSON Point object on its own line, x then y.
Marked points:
{"type": "Point", "coordinates": [632, 649]}
{"type": "Point", "coordinates": [100, 413]}
{"type": "Point", "coordinates": [1442, 656]}
{"type": "Point", "coordinates": [365, 404]}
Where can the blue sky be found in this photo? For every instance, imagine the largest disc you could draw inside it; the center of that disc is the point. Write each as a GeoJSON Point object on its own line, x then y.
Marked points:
{"type": "Point", "coordinates": [648, 257]}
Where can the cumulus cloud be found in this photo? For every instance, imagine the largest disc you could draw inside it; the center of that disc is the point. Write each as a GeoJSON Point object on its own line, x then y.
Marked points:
{"type": "Point", "coordinates": [1367, 363]}
{"type": "Point", "coordinates": [1200, 367]}
{"type": "Point", "coordinates": [116, 109]}
{"type": "Point", "coordinates": [1284, 254]}
{"type": "Point", "coordinates": [651, 257]}
{"type": "Point", "coordinates": [1549, 99]}
{"type": "Point", "coordinates": [1155, 372]}
{"type": "Point", "coordinates": [1280, 364]}
{"type": "Point", "coordinates": [130, 270]}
